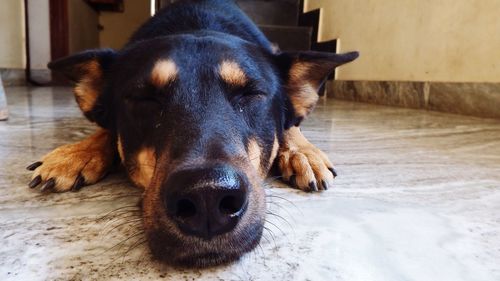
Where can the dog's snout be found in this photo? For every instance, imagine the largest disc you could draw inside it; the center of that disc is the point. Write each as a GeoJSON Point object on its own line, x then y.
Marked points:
{"type": "Point", "coordinates": [206, 202]}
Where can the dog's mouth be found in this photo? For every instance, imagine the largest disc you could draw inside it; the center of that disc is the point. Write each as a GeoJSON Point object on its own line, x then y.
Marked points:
{"type": "Point", "coordinates": [207, 259]}
{"type": "Point", "coordinates": [191, 252]}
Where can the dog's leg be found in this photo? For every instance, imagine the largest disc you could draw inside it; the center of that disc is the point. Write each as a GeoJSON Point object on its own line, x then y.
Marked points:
{"type": "Point", "coordinates": [303, 164]}
{"type": "Point", "coordinates": [72, 166]}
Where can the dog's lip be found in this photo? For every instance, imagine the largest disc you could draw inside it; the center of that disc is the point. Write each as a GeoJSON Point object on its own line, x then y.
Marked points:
{"type": "Point", "coordinates": [208, 259]}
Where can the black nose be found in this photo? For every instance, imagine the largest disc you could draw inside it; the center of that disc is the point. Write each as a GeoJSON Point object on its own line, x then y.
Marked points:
{"type": "Point", "coordinates": [206, 202]}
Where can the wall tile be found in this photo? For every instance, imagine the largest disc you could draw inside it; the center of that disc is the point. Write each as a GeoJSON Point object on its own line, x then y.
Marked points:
{"type": "Point", "coordinates": [393, 93]}
{"type": "Point", "coordinates": [477, 99]}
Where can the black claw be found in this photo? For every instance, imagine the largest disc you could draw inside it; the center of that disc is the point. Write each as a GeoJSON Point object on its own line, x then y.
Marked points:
{"type": "Point", "coordinates": [79, 182]}
{"type": "Point", "coordinates": [313, 186]}
{"type": "Point", "coordinates": [36, 181]}
{"type": "Point", "coordinates": [293, 180]}
{"type": "Point", "coordinates": [324, 184]}
{"type": "Point", "coordinates": [48, 185]}
{"type": "Point", "coordinates": [334, 173]}
{"type": "Point", "coordinates": [33, 166]}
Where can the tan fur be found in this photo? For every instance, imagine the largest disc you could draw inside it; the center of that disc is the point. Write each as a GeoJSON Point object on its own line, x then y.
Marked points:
{"type": "Point", "coordinates": [152, 204]}
{"type": "Point", "coordinates": [232, 73]}
{"type": "Point", "coordinates": [119, 146]}
{"type": "Point", "coordinates": [302, 93]}
{"type": "Point", "coordinates": [299, 157]}
{"type": "Point", "coordinates": [88, 88]}
{"type": "Point", "coordinates": [143, 167]}
{"type": "Point", "coordinates": [164, 72]}
{"type": "Point", "coordinates": [255, 155]}
{"type": "Point", "coordinates": [91, 157]}
{"type": "Point", "coordinates": [274, 151]}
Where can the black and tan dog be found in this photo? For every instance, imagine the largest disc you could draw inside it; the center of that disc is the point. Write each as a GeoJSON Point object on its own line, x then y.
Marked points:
{"type": "Point", "coordinates": [198, 106]}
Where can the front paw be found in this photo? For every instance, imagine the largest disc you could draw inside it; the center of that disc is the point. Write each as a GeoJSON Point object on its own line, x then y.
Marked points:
{"type": "Point", "coordinates": [307, 168]}
{"type": "Point", "coordinates": [70, 167]}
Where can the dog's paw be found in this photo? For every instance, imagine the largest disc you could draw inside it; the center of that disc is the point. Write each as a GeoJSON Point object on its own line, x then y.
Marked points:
{"type": "Point", "coordinates": [72, 166]}
{"type": "Point", "coordinates": [303, 165]}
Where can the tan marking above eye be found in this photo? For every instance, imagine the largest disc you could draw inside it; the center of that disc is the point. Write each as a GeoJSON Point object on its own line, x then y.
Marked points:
{"type": "Point", "coordinates": [143, 168]}
{"type": "Point", "coordinates": [164, 72]}
{"type": "Point", "coordinates": [231, 73]}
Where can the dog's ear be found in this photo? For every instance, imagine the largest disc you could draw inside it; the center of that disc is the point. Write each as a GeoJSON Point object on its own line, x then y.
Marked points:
{"type": "Point", "coordinates": [89, 71]}
{"type": "Point", "coordinates": [304, 73]}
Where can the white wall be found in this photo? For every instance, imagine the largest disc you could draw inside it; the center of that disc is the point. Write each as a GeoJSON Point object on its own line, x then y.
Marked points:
{"type": "Point", "coordinates": [416, 40]}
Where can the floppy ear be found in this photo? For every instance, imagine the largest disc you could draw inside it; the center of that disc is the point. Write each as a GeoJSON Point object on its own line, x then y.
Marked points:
{"type": "Point", "coordinates": [89, 71]}
{"type": "Point", "coordinates": [304, 73]}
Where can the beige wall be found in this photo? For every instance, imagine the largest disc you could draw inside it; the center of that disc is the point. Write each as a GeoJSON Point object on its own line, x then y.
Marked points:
{"type": "Point", "coordinates": [416, 40]}
{"type": "Point", "coordinates": [12, 49]}
{"type": "Point", "coordinates": [83, 26]}
{"type": "Point", "coordinates": [118, 27]}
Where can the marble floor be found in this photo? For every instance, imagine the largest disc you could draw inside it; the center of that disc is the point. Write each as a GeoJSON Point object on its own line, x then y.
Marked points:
{"type": "Point", "coordinates": [417, 198]}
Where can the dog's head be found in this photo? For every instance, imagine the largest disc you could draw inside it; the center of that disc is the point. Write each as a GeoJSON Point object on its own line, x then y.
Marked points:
{"type": "Point", "coordinates": [198, 121]}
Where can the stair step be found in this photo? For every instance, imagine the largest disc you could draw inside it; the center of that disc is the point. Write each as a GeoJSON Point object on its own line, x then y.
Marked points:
{"type": "Point", "coordinates": [271, 12]}
{"type": "Point", "coordinates": [289, 38]}
{"type": "Point", "coordinates": [107, 5]}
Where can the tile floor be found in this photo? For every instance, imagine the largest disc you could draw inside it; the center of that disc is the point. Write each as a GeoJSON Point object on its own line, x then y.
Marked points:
{"type": "Point", "coordinates": [418, 198]}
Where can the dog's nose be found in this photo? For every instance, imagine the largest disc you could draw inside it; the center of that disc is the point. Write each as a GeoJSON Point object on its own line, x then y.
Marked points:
{"type": "Point", "coordinates": [208, 201]}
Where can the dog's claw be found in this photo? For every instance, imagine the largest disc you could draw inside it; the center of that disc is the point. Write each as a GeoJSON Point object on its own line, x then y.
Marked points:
{"type": "Point", "coordinates": [334, 173]}
{"type": "Point", "coordinates": [33, 166]}
{"type": "Point", "coordinates": [48, 185]}
{"type": "Point", "coordinates": [324, 184]}
{"type": "Point", "coordinates": [79, 182]}
{"type": "Point", "coordinates": [313, 186]}
{"type": "Point", "coordinates": [293, 180]}
{"type": "Point", "coordinates": [36, 181]}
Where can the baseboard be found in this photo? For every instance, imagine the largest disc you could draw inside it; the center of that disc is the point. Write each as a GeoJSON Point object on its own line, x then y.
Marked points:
{"type": "Point", "coordinates": [41, 76]}
{"type": "Point", "coordinates": [475, 99]}
{"type": "Point", "coordinates": [17, 77]}
{"type": "Point", "coordinates": [13, 77]}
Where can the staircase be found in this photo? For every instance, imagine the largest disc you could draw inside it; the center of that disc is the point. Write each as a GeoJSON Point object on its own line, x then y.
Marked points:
{"type": "Point", "coordinates": [279, 20]}
{"type": "Point", "coordinates": [107, 5]}
{"type": "Point", "coordinates": [283, 22]}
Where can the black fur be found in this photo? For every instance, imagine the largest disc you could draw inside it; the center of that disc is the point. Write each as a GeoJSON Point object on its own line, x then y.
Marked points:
{"type": "Point", "coordinates": [198, 116]}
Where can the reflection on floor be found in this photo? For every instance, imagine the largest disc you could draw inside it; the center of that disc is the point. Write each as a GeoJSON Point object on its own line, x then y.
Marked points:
{"type": "Point", "coordinates": [417, 198]}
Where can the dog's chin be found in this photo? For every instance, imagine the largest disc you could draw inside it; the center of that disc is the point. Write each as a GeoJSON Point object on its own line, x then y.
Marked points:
{"type": "Point", "coordinates": [206, 260]}
{"type": "Point", "coordinates": [189, 252]}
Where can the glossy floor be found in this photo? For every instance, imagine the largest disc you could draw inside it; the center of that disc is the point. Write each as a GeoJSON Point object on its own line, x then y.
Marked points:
{"type": "Point", "coordinates": [418, 198]}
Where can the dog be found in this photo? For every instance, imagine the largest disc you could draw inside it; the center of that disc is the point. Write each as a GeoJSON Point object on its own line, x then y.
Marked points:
{"type": "Point", "coordinates": [198, 107]}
